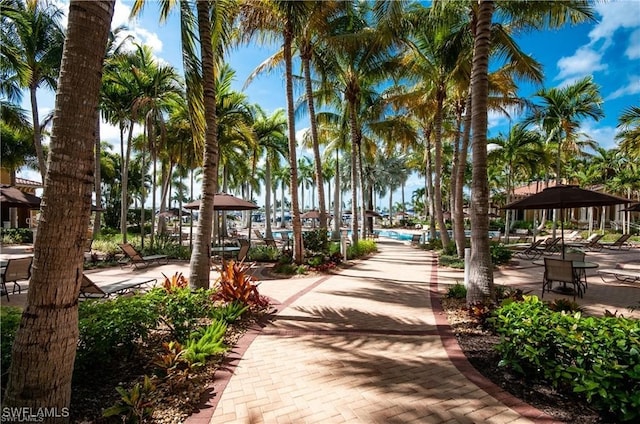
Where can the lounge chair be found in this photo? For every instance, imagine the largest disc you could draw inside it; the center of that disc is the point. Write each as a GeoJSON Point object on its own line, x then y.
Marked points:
{"type": "Point", "coordinates": [244, 249]}
{"type": "Point", "coordinates": [17, 269]}
{"type": "Point", "coordinates": [90, 289]}
{"type": "Point", "coordinates": [591, 243]}
{"type": "Point", "coordinates": [136, 259]}
{"type": "Point", "coordinates": [416, 239]}
{"type": "Point", "coordinates": [620, 243]}
{"type": "Point", "coordinates": [626, 275]}
{"type": "Point", "coordinates": [561, 271]}
{"type": "Point", "coordinates": [551, 246]}
{"type": "Point", "coordinates": [530, 252]}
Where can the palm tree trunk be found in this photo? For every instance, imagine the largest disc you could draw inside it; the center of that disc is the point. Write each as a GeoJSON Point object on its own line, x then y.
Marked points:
{"type": "Point", "coordinates": [322, 206]}
{"type": "Point", "coordinates": [124, 203]}
{"type": "Point", "coordinates": [37, 136]}
{"type": "Point", "coordinates": [45, 346]}
{"type": "Point", "coordinates": [480, 286]}
{"type": "Point", "coordinates": [293, 160]}
{"type": "Point", "coordinates": [267, 199]}
{"type": "Point", "coordinates": [429, 170]}
{"type": "Point", "coordinates": [337, 209]}
{"type": "Point", "coordinates": [199, 266]}
{"type": "Point", "coordinates": [354, 172]}
{"type": "Point", "coordinates": [459, 187]}
{"type": "Point", "coordinates": [98, 179]}
{"type": "Point", "coordinates": [437, 188]}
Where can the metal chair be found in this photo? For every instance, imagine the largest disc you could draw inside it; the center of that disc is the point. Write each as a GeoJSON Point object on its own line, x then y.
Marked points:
{"type": "Point", "coordinates": [561, 271]}
{"type": "Point", "coordinates": [17, 269]}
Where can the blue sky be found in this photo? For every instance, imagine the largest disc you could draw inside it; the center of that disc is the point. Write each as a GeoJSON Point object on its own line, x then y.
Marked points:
{"type": "Point", "coordinates": [608, 49]}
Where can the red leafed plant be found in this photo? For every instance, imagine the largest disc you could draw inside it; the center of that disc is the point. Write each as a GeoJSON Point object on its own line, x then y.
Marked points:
{"type": "Point", "coordinates": [235, 284]}
{"type": "Point", "coordinates": [176, 281]}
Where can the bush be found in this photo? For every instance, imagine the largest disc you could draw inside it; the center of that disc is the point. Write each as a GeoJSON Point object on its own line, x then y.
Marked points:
{"type": "Point", "coordinates": [16, 235]}
{"type": "Point", "coordinates": [316, 240]}
{"type": "Point", "coordinates": [180, 309]}
{"type": "Point", "coordinates": [263, 254]}
{"type": "Point", "coordinates": [110, 329]}
{"type": "Point", "coordinates": [597, 358]}
{"type": "Point", "coordinates": [500, 254]}
{"type": "Point", "coordinates": [457, 291]}
{"type": "Point", "coordinates": [9, 322]}
{"type": "Point", "coordinates": [362, 248]}
{"type": "Point", "coordinates": [451, 261]}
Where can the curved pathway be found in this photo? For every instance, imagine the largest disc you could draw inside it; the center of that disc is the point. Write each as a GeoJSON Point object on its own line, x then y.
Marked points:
{"type": "Point", "coordinates": [367, 345]}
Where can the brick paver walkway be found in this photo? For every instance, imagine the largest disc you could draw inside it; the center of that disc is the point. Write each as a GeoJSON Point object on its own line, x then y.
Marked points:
{"type": "Point", "coordinates": [364, 346]}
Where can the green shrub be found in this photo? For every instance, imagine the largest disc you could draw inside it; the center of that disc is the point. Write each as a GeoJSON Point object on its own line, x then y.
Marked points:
{"type": "Point", "coordinates": [16, 235]}
{"type": "Point", "coordinates": [500, 254]}
{"type": "Point", "coordinates": [263, 254]}
{"type": "Point", "coordinates": [110, 329]}
{"type": "Point", "coordinates": [597, 358]}
{"type": "Point", "coordinates": [316, 240]}
{"type": "Point", "coordinates": [205, 343]}
{"type": "Point", "coordinates": [181, 309]}
{"type": "Point", "coordinates": [230, 312]}
{"type": "Point", "coordinates": [457, 291]}
{"type": "Point", "coordinates": [362, 248]}
{"type": "Point", "coordinates": [9, 322]}
{"type": "Point", "coordinates": [451, 261]}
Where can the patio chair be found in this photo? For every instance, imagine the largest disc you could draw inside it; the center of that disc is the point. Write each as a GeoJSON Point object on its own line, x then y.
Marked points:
{"type": "Point", "coordinates": [530, 252]}
{"type": "Point", "coordinates": [90, 290]}
{"type": "Point", "coordinates": [416, 239]}
{"type": "Point", "coordinates": [244, 249]}
{"type": "Point", "coordinates": [591, 243]}
{"type": "Point", "coordinates": [561, 271]}
{"type": "Point", "coordinates": [620, 244]}
{"type": "Point", "coordinates": [573, 236]}
{"type": "Point", "coordinates": [17, 269]}
{"type": "Point", "coordinates": [136, 259]}
{"type": "Point", "coordinates": [581, 273]}
{"type": "Point", "coordinates": [551, 246]}
{"type": "Point", "coordinates": [624, 275]}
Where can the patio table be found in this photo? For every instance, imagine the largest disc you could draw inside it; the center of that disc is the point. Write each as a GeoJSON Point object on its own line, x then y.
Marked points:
{"type": "Point", "coordinates": [579, 265]}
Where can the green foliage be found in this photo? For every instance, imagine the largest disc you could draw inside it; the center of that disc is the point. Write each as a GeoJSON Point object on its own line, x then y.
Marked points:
{"type": "Point", "coordinates": [16, 235]}
{"type": "Point", "coordinates": [451, 261]}
{"type": "Point", "coordinates": [230, 312]}
{"type": "Point", "coordinates": [597, 358]}
{"type": "Point", "coordinates": [564, 305]}
{"type": "Point", "coordinates": [457, 291]}
{"type": "Point", "coordinates": [362, 248]}
{"type": "Point", "coordinates": [134, 405]}
{"type": "Point", "coordinates": [205, 343]}
{"type": "Point", "coordinates": [450, 250]}
{"type": "Point", "coordinates": [166, 245]}
{"type": "Point", "coordinates": [433, 244]}
{"type": "Point", "coordinates": [315, 240]}
{"type": "Point", "coordinates": [110, 329]}
{"type": "Point", "coordinates": [9, 322]}
{"type": "Point", "coordinates": [290, 269]}
{"type": "Point", "coordinates": [500, 254]}
{"type": "Point", "coordinates": [262, 253]}
{"type": "Point", "coordinates": [181, 309]}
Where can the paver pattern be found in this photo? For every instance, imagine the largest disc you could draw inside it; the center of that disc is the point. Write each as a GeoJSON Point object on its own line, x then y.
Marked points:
{"type": "Point", "coordinates": [362, 346]}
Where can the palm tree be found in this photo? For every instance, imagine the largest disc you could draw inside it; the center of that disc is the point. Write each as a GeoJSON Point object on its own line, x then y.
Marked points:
{"type": "Point", "coordinates": [42, 358]}
{"type": "Point", "coordinates": [272, 142]}
{"type": "Point", "coordinates": [516, 155]}
{"type": "Point", "coordinates": [523, 14]}
{"type": "Point", "coordinates": [629, 135]}
{"type": "Point", "coordinates": [34, 34]}
{"type": "Point", "coordinates": [561, 111]}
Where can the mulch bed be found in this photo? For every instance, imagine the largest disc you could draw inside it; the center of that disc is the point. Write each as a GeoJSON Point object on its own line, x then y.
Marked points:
{"type": "Point", "coordinates": [478, 346]}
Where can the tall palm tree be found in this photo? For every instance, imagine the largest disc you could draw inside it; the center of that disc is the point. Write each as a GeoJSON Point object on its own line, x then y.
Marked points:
{"type": "Point", "coordinates": [35, 35]}
{"type": "Point", "coordinates": [270, 133]}
{"type": "Point", "coordinates": [526, 14]}
{"type": "Point", "coordinates": [42, 358]}
{"type": "Point", "coordinates": [515, 154]}
{"type": "Point", "coordinates": [561, 111]}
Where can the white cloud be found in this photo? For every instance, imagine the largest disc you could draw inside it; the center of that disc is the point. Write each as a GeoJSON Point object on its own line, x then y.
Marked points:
{"type": "Point", "coordinates": [111, 134]}
{"type": "Point", "coordinates": [585, 61]}
{"type": "Point", "coordinates": [605, 136]}
{"type": "Point", "coordinates": [633, 87]}
{"type": "Point", "coordinates": [633, 49]}
{"type": "Point", "coordinates": [615, 15]}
